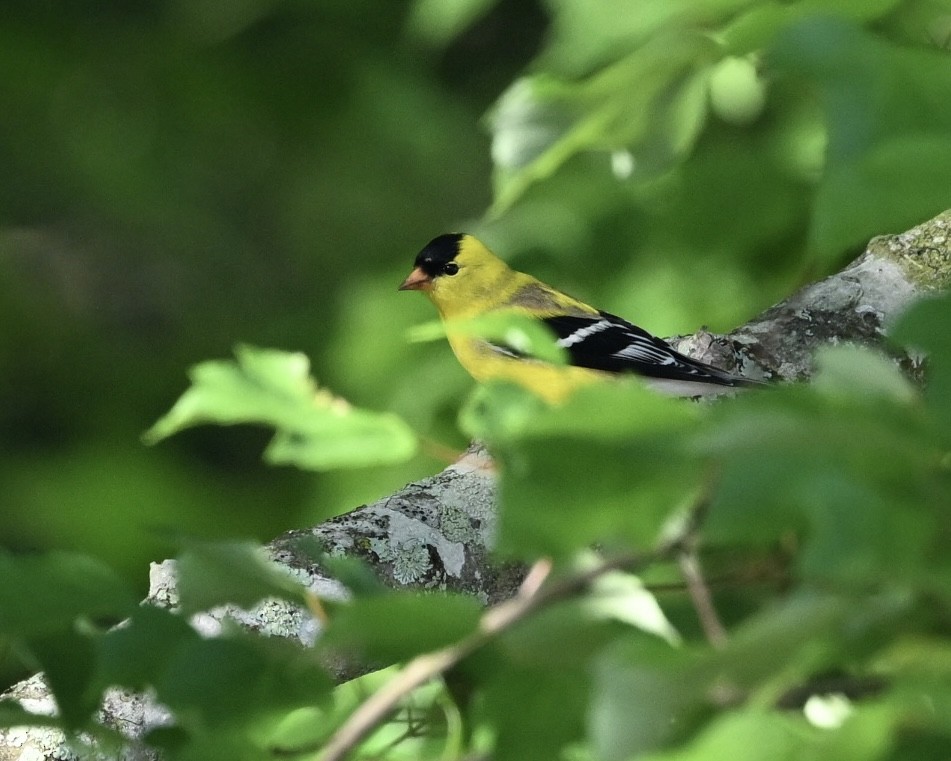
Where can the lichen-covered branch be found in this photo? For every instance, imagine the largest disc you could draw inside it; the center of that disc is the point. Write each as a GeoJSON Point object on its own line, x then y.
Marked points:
{"type": "Point", "coordinates": [437, 533]}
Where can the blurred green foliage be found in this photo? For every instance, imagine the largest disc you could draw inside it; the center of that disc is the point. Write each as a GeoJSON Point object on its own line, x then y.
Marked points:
{"type": "Point", "coordinates": [181, 177]}
{"type": "Point", "coordinates": [185, 177]}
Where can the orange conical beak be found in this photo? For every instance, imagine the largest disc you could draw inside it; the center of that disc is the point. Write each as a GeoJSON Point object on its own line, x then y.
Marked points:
{"type": "Point", "coordinates": [417, 281]}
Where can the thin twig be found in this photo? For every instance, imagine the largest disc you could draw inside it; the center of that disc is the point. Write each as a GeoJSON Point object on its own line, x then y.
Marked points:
{"type": "Point", "coordinates": [702, 599]}
{"type": "Point", "coordinates": [689, 562]}
{"type": "Point", "coordinates": [495, 620]}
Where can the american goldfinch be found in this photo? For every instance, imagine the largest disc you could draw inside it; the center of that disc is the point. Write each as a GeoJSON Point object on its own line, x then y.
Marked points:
{"type": "Point", "coordinates": [465, 280]}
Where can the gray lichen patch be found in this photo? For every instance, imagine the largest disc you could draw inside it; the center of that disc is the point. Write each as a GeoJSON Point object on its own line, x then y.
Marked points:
{"type": "Point", "coordinates": [406, 542]}
{"type": "Point", "coordinates": [410, 563]}
{"type": "Point", "coordinates": [456, 525]}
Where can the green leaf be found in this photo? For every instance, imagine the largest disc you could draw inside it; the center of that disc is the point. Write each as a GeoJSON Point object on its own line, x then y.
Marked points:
{"type": "Point", "coordinates": [439, 21]}
{"type": "Point", "coordinates": [44, 594]}
{"type": "Point", "coordinates": [756, 28]}
{"type": "Point", "coordinates": [14, 715]}
{"type": "Point", "coordinates": [563, 637]}
{"type": "Point", "coordinates": [585, 35]}
{"type": "Point", "coordinates": [635, 104]}
{"type": "Point", "coordinates": [396, 626]}
{"type": "Point", "coordinates": [535, 712]}
{"type": "Point", "coordinates": [239, 682]}
{"type": "Point", "coordinates": [315, 430]}
{"type": "Point", "coordinates": [895, 184]}
{"type": "Point", "coordinates": [927, 327]}
{"type": "Point", "coordinates": [920, 679]}
{"type": "Point", "coordinates": [644, 695]}
{"type": "Point", "coordinates": [756, 734]}
{"type": "Point", "coordinates": [50, 604]}
{"type": "Point", "coordinates": [67, 659]}
{"type": "Point", "coordinates": [860, 373]}
{"type": "Point", "coordinates": [744, 736]}
{"type": "Point", "coordinates": [648, 695]}
{"type": "Point", "coordinates": [887, 117]}
{"type": "Point", "coordinates": [612, 454]}
{"type": "Point", "coordinates": [849, 474]}
{"type": "Point", "coordinates": [134, 654]}
{"type": "Point", "coordinates": [522, 334]}
{"type": "Point", "coordinates": [614, 411]}
{"type": "Point", "coordinates": [239, 573]}
{"type": "Point", "coordinates": [623, 597]}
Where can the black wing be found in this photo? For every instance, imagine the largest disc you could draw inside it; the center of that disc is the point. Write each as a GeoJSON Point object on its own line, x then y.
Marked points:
{"type": "Point", "coordinates": [607, 342]}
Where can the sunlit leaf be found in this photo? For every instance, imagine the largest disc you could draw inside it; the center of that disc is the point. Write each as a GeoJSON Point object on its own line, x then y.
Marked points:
{"type": "Point", "coordinates": [623, 597]}
{"type": "Point", "coordinates": [315, 430]}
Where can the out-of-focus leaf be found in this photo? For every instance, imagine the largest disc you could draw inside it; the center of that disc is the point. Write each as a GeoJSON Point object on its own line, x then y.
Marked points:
{"type": "Point", "coordinates": [927, 326]}
{"type": "Point", "coordinates": [750, 735]}
{"type": "Point", "coordinates": [623, 597]}
{"type": "Point", "coordinates": [586, 36]}
{"type": "Point", "coordinates": [919, 670]}
{"type": "Point", "coordinates": [887, 121]}
{"type": "Point", "coordinates": [850, 476]}
{"type": "Point", "coordinates": [439, 21]}
{"type": "Point", "coordinates": [315, 430]}
{"type": "Point", "coordinates": [134, 654]}
{"type": "Point", "coordinates": [860, 373]}
{"type": "Point", "coordinates": [631, 437]}
{"type": "Point", "coordinates": [648, 695]}
{"type": "Point", "coordinates": [615, 410]}
{"type": "Point", "coordinates": [757, 734]}
{"type": "Point", "coordinates": [238, 682]}
{"type": "Point", "coordinates": [738, 203]}
{"type": "Point", "coordinates": [67, 659]}
{"type": "Point", "coordinates": [12, 714]}
{"type": "Point", "coordinates": [42, 594]}
{"type": "Point", "coordinates": [535, 711]}
{"type": "Point", "coordinates": [893, 185]}
{"type": "Point", "coordinates": [516, 332]}
{"type": "Point", "coordinates": [239, 573]}
{"type": "Point", "coordinates": [644, 695]}
{"type": "Point", "coordinates": [540, 123]}
{"type": "Point", "coordinates": [562, 637]}
{"type": "Point", "coordinates": [393, 627]}
{"type": "Point", "coordinates": [756, 28]}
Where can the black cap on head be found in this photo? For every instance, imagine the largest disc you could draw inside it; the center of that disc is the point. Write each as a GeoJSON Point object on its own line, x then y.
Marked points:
{"type": "Point", "coordinates": [440, 250]}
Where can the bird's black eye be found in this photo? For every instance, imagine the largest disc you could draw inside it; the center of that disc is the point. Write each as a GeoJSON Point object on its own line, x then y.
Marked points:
{"type": "Point", "coordinates": [450, 268]}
